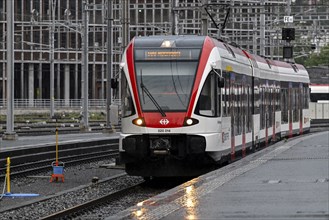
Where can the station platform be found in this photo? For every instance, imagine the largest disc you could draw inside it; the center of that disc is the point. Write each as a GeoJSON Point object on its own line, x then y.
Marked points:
{"type": "Point", "coordinates": [45, 140]}
{"type": "Point", "coordinates": [288, 180]}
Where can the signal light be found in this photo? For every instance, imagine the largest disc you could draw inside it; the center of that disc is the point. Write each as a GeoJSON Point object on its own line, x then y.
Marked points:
{"type": "Point", "coordinates": [288, 34]}
{"type": "Point", "coordinates": [288, 52]}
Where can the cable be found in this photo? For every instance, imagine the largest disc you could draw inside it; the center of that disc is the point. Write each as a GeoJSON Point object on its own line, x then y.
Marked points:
{"type": "Point", "coordinates": [4, 187]}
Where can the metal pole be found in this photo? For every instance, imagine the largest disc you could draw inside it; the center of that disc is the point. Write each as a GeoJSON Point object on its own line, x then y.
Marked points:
{"type": "Point", "coordinates": [125, 30]}
{"type": "Point", "coordinates": [10, 134]}
{"type": "Point", "coordinates": [85, 64]}
{"type": "Point", "coordinates": [109, 60]}
{"type": "Point", "coordinates": [262, 28]}
{"type": "Point", "coordinates": [204, 18]}
{"type": "Point", "coordinates": [174, 17]}
{"type": "Point", "coordinates": [52, 63]}
{"type": "Point", "coordinates": [254, 41]}
{"type": "Point", "coordinates": [289, 24]}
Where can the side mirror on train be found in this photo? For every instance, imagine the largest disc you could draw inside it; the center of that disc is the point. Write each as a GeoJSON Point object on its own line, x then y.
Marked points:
{"type": "Point", "coordinates": [221, 82]}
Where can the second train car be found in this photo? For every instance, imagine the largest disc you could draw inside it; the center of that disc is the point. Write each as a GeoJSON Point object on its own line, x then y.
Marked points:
{"type": "Point", "coordinates": [191, 102]}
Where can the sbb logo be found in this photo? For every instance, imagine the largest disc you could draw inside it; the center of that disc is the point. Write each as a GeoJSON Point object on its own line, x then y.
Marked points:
{"type": "Point", "coordinates": [164, 121]}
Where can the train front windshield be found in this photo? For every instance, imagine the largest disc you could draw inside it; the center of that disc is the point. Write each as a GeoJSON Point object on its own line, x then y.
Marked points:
{"type": "Point", "coordinates": [169, 83]}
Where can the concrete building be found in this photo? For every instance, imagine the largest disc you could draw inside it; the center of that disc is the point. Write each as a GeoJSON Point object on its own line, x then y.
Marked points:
{"type": "Point", "coordinates": [254, 25]}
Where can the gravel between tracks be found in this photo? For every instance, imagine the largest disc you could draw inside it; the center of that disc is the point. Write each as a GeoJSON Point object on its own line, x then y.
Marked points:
{"type": "Point", "coordinates": [75, 178]}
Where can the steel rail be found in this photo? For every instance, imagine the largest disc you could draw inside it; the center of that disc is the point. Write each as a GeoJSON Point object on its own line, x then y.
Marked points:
{"type": "Point", "coordinates": [75, 156]}
{"type": "Point", "coordinates": [66, 214]}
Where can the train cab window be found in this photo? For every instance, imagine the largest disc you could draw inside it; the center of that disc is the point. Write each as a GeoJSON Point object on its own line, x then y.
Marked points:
{"type": "Point", "coordinates": [206, 104]}
{"type": "Point", "coordinates": [127, 104]}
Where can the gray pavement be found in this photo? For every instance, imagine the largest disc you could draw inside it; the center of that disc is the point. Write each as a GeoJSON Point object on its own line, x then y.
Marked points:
{"type": "Point", "coordinates": [288, 180]}
{"type": "Point", "coordinates": [30, 141]}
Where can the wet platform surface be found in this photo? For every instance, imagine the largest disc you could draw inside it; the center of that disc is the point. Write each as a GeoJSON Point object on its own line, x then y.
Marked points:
{"type": "Point", "coordinates": [288, 180]}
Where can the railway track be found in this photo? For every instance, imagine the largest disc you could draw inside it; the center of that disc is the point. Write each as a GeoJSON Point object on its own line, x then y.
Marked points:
{"type": "Point", "coordinates": [93, 201]}
{"type": "Point", "coordinates": [82, 209]}
{"type": "Point", "coordinates": [50, 129]}
{"type": "Point", "coordinates": [37, 159]}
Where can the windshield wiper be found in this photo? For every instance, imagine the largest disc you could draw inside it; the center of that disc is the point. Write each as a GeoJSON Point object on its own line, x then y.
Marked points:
{"type": "Point", "coordinates": [144, 89]}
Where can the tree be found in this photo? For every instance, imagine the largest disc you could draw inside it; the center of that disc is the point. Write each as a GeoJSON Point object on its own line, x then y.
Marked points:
{"type": "Point", "coordinates": [318, 59]}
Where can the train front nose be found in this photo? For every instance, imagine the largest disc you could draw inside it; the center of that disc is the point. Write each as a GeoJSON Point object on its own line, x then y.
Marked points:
{"type": "Point", "coordinates": [179, 146]}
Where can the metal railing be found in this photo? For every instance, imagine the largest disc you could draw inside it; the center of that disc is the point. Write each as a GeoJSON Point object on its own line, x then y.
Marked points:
{"type": "Point", "coordinates": [59, 103]}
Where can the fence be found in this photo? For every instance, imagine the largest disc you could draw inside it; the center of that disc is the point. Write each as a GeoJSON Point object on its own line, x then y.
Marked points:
{"type": "Point", "coordinates": [73, 104]}
{"type": "Point", "coordinates": [319, 110]}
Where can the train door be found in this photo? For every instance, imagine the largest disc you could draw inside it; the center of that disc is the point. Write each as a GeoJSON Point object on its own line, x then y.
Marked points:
{"type": "Point", "coordinates": [270, 110]}
{"type": "Point", "coordinates": [273, 90]}
{"type": "Point", "coordinates": [233, 113]}
{"type": "Point", "coordinates": [244, 116]}
{"type": "Point", "coordinates": [267, 112]}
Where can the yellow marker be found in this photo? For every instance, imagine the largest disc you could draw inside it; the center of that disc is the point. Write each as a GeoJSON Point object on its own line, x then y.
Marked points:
{"type": "Point", "coordinates": [229, 68]}
{"type": "Point", "coordinates": [8, 174]}
{"type": "Point", "coordinates": [56, 147]}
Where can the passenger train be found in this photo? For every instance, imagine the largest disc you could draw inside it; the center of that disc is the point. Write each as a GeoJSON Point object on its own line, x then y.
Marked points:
{"type": "Point", "coordinates": [192, 102]}
{"type": "Point", "coordinates": [319, 92]}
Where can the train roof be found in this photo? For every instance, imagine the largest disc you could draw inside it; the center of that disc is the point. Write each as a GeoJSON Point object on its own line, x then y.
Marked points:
{"type": "Point", "coordinates": [269, 69]}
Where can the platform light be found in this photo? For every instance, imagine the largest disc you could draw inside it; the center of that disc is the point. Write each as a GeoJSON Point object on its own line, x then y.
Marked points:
{"type": "Point", "coordinates": [139, 122]}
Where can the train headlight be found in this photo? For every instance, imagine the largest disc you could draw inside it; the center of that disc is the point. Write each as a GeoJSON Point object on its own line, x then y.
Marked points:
{"type": "Point", "coordinates": [190, 121]}
{"type": "Point", "coordinates": [139, 121]}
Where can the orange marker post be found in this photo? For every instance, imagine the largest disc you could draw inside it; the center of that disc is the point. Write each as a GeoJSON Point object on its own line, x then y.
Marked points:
{"type": "Point", "coordinates": [58, 167]}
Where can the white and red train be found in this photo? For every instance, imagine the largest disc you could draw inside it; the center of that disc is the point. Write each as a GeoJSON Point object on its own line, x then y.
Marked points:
{"type": "Point", "coordinates": [319, 92]}
{"type": "Point", "coordinates": [189, 102]}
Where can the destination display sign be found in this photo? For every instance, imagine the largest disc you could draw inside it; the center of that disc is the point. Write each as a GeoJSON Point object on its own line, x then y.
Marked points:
{"type": "Point", "coordinates": [167, 54]}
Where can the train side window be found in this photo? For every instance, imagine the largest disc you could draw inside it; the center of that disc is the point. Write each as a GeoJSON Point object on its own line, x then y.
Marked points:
{"type": "Point", "coordinates": [127, 104]}
{"type": "Point", "coordinates": [206, 104]}
{"type": "Point", "coordinates": [306, 97]}
{"type": "Point", "coordinates": [239, 108]}
{"type": "Point", "coordinates": [296, 105]}
{"type": "Point", "coordinates": [284, 106]}
{"type": "Point", "coordinates": [218, 101]}
{"type": "Point", "coordinates": [270, 101]}
{"type": "Point", "coordinates": [278, 108]}
{"type": "Point", "coordinates": [226, 94]}
{"type": "Point", "coordinates": [262, 107]}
